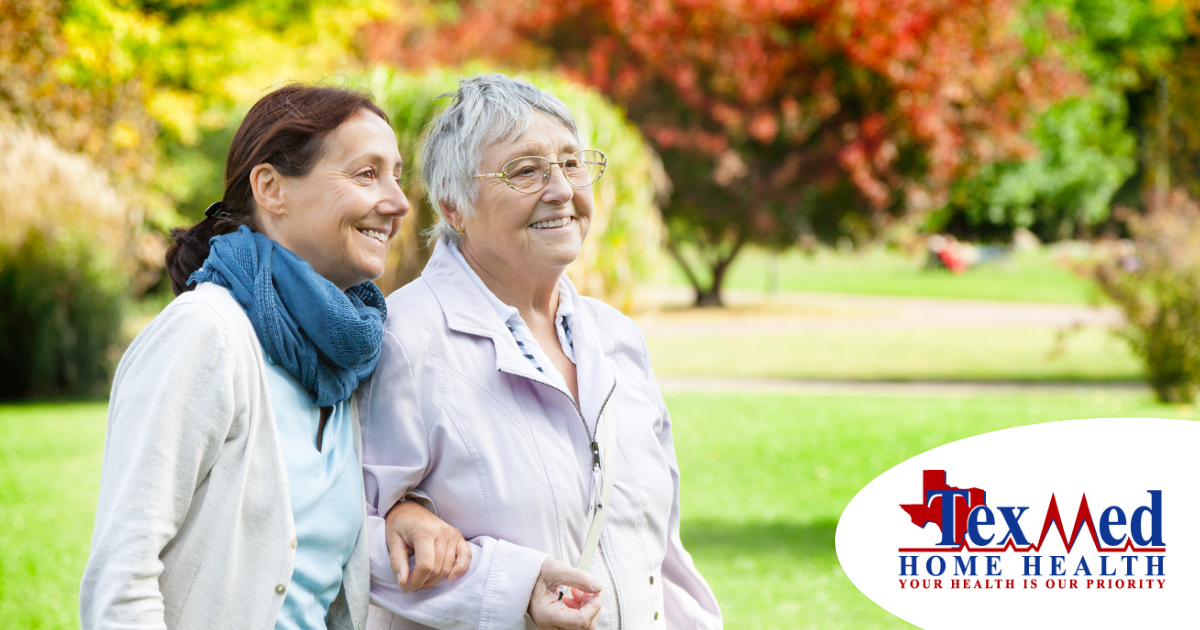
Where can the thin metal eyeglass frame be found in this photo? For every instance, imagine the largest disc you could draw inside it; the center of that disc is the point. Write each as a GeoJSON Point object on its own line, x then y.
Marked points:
{"type": "Point", "coordinates": [546, 181]}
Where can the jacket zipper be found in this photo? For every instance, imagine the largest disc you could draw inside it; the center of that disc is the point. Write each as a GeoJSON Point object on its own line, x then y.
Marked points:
{"type": "Point", "coordinates": [595, 448]}
{"type": "Point", "coordinates": [616, 595]}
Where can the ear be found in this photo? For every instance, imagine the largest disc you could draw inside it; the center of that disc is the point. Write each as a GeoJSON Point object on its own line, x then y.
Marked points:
{"type": "Point", "coordinates": [267, 185]}
{"type": "Point", "coordinates": [450, 211]}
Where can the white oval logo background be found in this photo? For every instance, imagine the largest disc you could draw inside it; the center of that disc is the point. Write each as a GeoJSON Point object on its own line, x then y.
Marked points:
{"type": "Point", "coordinates": [1114, 462]}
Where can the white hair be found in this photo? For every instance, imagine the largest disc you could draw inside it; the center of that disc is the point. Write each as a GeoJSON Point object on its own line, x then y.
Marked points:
{"type": "Point", "coordinates": [487, 108]}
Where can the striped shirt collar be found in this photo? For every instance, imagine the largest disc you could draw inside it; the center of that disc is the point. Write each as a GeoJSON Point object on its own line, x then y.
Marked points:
{"type": "Point", "coordinates": [563, 322]}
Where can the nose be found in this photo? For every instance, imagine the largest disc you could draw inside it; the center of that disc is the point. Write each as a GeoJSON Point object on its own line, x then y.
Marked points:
{"type": "Point", "coordinates": [558, 190]}
{"type": "Point", "coordinates": [395, 202]}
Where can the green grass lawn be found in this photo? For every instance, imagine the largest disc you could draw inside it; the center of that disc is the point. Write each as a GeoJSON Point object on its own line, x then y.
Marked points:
{"type": "Point", "coordinates": [1023, 354]}
{"type": "Point", "coordinates": [765, 479]}
{"type": "Point", "coordinates": [49, 477]}
{"type": "Point", "coordinates": [1030, 276]}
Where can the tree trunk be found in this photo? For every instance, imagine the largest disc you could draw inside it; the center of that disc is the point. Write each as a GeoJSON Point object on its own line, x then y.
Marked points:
{"type": "Point", "coordinates": [711, 297]}
{"type": "Point", "coordinates": [717, 264]}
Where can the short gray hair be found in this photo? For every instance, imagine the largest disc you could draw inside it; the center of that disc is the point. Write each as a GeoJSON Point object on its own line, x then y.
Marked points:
{"type": "Point", "coordinates": [487, 108]}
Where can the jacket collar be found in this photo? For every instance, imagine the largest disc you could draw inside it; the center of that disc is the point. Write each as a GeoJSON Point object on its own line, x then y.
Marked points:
{"type": "Point", "coordinates": [468, 311]}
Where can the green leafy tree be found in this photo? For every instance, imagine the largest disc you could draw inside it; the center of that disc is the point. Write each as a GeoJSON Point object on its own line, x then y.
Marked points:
{"type": "Point", "coordinates": [197, 66]}
{"type": "Point", "coordinates": [1090, 145]}
{"type": "Point", "coordinates": [99, 116]}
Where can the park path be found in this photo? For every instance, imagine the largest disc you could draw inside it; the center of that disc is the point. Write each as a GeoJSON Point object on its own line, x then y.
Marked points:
{"type": "Point", "coordinates": [733, 384]}
{"type": "Point", "coordinates": [790, 312]}
{"type": "Point", "coordinates": [754, 312]}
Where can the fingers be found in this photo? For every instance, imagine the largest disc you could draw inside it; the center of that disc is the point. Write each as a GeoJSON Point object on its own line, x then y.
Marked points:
{"type": "Point", "coordinates": [462, 560]}
{"type": "Point", "coordinates": [578, 610]}
{"type": "Point", "coordinates": [439, 549]}
{"type": "Point", "coordinates": [577, 598]}
{"type": "Point", "coordinates": [446, 542]}
{"type": "Point", "coordinates": [548, 612]}
{"type": "Point", "coordinates": [428, 561]}
{"type": "Point", "coordinates": [591, 611]}
{"type": "Point", "coordinates": [556, 573]}
{"type": "Point", "coordinates": [398, 550]}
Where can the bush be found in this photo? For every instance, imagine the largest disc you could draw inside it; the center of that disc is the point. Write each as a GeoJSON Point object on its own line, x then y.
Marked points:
{"type": "Point", "coordinates": [66, 261]}
{"type": "Point", "coordinates": [1156, 282]}
{"type": "Point", "coordinates": [60, 321]}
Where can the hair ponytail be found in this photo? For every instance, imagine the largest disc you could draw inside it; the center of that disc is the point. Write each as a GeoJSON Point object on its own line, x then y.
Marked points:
{"type": "Point", "coordinates": [189, 246]}
{"type": "Point", "coordinates": [285, 129]}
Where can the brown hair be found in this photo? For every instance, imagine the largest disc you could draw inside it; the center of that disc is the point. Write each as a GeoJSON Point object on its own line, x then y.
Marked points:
{"type": "Point", "coordinates": [285, 129]}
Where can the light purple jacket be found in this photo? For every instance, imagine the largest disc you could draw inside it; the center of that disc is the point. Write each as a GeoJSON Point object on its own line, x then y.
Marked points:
{"type": "Point", "coordinates": [455, 413]}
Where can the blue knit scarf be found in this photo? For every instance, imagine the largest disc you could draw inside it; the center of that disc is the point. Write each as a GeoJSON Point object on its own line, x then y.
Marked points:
{"type": "Point", "coordinates": [328, 339]}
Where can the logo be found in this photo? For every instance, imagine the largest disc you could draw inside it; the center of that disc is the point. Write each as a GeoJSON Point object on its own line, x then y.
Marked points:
{"type": "Point", "coordinates": [1127, 550]}
{"type": "Point", "coordinates": [1073, 524]}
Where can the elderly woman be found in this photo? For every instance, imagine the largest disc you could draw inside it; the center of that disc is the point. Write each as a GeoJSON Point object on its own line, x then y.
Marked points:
{"type": "Point", "coordinates": [231, 494]}
{"type": "Point", "coordinates": [527, 414]}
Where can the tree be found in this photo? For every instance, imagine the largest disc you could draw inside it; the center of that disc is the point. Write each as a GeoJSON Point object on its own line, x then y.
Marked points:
{"type": "Point", "coordinates": [196, 67]}
{"type": "Point", "coordinates": [148, 89]}
{"type": "Point", "coordinates": [780, 119]}
{"type": "Point", "coordinates": [100, 117]}
{"type": "Point", "coordinates": [1088, 144]}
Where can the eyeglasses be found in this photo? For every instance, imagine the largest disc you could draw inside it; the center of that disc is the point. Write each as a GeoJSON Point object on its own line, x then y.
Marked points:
{"type": "Point", "coordinates": [531, 173]}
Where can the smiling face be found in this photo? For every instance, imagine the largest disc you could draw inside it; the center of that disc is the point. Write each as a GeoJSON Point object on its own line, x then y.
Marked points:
{"type": "Point", "coordinates": [343, 214]}
{"type": "Point", "coordinates": [517, 233]}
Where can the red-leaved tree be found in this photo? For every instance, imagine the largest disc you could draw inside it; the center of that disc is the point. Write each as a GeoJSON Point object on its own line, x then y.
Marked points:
{"type": "Point", "coordinates": [777, 119]}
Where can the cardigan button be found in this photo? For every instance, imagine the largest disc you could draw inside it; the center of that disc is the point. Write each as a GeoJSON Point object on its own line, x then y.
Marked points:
{"type": "Point", "coordinates": [651, 579]}
{"type": "Point", "coordinates": [294, 546]}
{"type": "Point", "coordinates": [279, 589]}
{"type": "Point", "coordinates": [656, 616]}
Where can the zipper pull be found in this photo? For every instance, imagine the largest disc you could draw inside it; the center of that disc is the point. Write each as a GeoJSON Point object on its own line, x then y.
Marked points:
{"type": "Point", "coordinates": [595, 455]}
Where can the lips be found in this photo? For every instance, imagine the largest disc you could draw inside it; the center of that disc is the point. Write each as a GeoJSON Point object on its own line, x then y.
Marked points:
{"type": "Point", "coordinates": [545, 225]}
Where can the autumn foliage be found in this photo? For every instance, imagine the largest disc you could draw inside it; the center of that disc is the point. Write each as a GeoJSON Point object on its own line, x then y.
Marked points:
{"type": "Point", "coordinates": [774, 105]}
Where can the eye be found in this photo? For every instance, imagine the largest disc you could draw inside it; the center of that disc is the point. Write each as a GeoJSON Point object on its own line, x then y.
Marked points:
{"type": "Point", "coordinates": [368, 174]}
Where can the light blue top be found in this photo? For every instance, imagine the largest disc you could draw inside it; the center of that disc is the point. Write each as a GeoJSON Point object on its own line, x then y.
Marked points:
{"type": "Point", "coordinates": [563, 322]}
{"type": "Point", "coordinates": [326, 493]}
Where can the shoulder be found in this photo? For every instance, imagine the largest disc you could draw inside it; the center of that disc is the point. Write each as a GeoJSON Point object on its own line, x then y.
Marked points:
{"type": "Point", "coordinates": [414, 299]}
{"type": "Point", "coordinates": [208, 310]}
{"type": "Point", "coordinates": [413, 313]}
{"type": "Point", "coordinates": [201, 352]}
{"type": "Point", "coordinates": [206, 304]}
{"type": "Point", "coordinates": [206, 321]}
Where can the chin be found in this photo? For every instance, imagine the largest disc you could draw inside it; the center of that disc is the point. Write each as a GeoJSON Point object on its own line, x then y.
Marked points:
{"type": "Point", "coordinates": [560, 257]}
{"type": "Point", "coordinates": [369, 272]}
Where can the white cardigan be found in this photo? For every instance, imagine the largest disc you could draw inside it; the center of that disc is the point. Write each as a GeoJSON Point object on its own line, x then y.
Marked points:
{"type": "Point", "coordinates": [194, 527]}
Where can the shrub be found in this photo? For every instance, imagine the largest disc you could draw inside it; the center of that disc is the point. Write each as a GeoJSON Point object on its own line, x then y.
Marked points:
{"type": "Point", "coordinates": [60, 321]}
{"type": "Point", "coordinates": [1156, 282]}
{"type": "Point", "coordinates": [66, 240]}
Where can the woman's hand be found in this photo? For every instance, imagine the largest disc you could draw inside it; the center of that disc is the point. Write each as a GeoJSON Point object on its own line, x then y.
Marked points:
{"type": "Point", "coordinates": [441, 551]}
{"type": "Point", "coordinates": [578, 609]}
